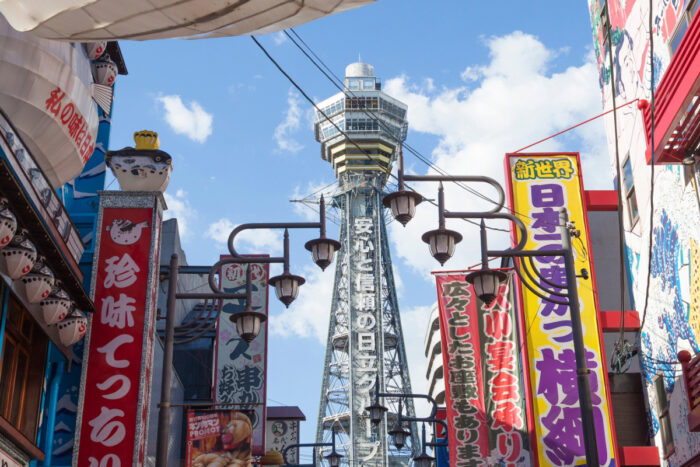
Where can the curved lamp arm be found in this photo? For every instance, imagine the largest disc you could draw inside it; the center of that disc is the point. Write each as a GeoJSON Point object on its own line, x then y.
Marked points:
{"type": "Point", "coordinates": [302, 445]}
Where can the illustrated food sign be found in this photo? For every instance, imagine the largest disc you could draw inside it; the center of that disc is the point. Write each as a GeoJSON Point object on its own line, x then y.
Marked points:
{"type": "Point", "coordinates": [119, 347]}
{"type": "Point", "coordinates": [483, 387]}
{"type": "Point", "coordinates": [240, 366]}
{"type": "Point", "coordinates": [541, 185]}
{"type": "Point", "coordinates": [280, 434]}
{"type": "Point", "coordinates": [218, 438]}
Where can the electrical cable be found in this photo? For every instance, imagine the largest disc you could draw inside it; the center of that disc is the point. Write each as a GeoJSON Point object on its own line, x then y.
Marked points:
{"type": "Point", "coordinates": [651, 189]}
{"type": "Point", "coordinates": [342, 132]}
{"type": "Point", "coordinates": [388, 130]}
{"type": "Point", "coordinates": [620, 181]}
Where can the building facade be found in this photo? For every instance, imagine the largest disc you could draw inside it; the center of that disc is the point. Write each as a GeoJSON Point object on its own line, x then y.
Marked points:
{"type": "Point", "coordinates": [55, 105]}
{"type": "Point", "coordinates": [652, 143]}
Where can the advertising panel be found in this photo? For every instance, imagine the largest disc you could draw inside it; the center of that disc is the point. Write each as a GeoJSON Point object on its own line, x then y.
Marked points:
{"type": "Point", "coordinates": [280, 434]}
{"type": "Point", "coordinates": [117, 379]}
{"type": "Point", "coordinates": [483, 387]}
{"type": "Point", "coordinates": [241, 366]}
{"type": "Point", "coordinates": [219, 438]}
{"type": "Point", "coordinates": [541, 185]}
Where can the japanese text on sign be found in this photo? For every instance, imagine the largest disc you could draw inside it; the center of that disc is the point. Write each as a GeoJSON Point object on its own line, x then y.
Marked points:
{"type": "Point", "coordinates": [112, 382]}
{"type": "Point", "coordinates": [365, 328]}
{"type": "Point", "coordinates": [70, 117]}
{"type": "Point", "coordinates": [549, 339]}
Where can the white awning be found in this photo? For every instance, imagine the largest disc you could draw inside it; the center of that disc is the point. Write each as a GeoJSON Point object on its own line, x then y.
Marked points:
{"type": "Point", "coordinates": [91, 20]}
{"type": "Point", "coordinates": [45, 92]}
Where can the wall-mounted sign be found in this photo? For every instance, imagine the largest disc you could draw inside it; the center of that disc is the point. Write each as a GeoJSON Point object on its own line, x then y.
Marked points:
{"type": "Point", "coordinates": [218, 438]}
{"type": "Point", "coordinates": [113, 413]}
{"type": "Point", "coordinates": [542, 185]}
{"type": "Point", "coordinates": [241, 366]}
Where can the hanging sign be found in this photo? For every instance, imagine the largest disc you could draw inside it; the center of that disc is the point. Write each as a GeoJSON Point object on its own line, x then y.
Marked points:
{"type": "Point", "coordinates": [541, 185]}
{"type": "Point", "coordinates": [241, 366]}
{"type": "Point", "coordinates": [483, 386]}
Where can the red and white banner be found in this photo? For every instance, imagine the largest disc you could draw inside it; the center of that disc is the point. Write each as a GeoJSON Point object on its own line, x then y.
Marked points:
{"type": "Point", "coordinates": [241, 367]}
{"type": "Point", "coordinates": [114, 412]}
{"type": "Point", "coordinates": [483, 386]}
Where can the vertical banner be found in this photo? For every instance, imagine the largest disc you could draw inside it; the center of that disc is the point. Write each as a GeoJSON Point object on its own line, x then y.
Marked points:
{"type": "Point", "coordinates": [464, 394]}
{"type": "Point", "coordinates": [540, 186]}
{"type": "Point", "coordinates": [113, 413]}
{"type": "Point", "coordinates": [241, 367]}
{"type": "Point", "coordinates": [218, 438]}
{"type": "Point", "coordinates": [483, 385]}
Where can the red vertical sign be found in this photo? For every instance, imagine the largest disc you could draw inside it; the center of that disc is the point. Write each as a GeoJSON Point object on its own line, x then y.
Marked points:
{"type": "Point", "coordinates": [466, 414]}
{"type": "Point", "coordinates": [120, 342]}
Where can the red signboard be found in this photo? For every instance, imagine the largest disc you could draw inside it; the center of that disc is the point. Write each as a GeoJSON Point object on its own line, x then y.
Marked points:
{"type": "Point", "coordinates": [483, 386]}
{"type": "Point", "coordinates": [464, 393]}
{"type": "Point", "coordinates": [120, 332]}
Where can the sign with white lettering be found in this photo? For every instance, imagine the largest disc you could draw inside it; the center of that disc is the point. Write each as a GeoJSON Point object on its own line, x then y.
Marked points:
{"type": "Point", "coordinates": [114, 415]}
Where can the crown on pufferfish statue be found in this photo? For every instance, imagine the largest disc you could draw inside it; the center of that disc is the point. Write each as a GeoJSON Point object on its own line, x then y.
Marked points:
{"type": "Point", "coordinates": [146, 139]}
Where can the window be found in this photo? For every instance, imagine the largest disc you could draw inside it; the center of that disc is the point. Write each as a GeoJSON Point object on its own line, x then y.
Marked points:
{"type": "Point", "coordinates": [22, 370]}
{"type": "Point", "coordinates": [683, 25]}
{"type": "Point", "coordinates": [630, 195]}
{"type": "Point", "coordinates": [664, 419]}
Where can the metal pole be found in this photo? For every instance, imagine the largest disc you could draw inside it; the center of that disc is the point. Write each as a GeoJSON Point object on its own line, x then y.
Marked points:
{"type": "Point", "coordinates": [584, 382]}
{"type": "Point", "coordinates": [169, 341]}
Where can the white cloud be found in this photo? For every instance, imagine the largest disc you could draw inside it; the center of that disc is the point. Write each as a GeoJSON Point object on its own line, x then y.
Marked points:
{"type": "Point", "coordinates": [470, 74]}
{"type": "Point", "coordinates": [477, 126]}
{"type": "Point", "coordinates": [279, 38]}
{"type": "Point", "coordinates": [289, 125]}
{"type": "Point", "coordinates": [193, 121]}
{"type": "Point", "coordinates": [258, 241]}
{"type": "Point", "coordinates": [308, 315]}
{"type": "Point", "coordinates": [179, 208]}
{"type": "Point", "coordinates": [414, 325]}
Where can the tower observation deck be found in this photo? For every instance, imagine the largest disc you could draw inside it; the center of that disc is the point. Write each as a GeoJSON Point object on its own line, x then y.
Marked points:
{"type": "Point", "coordinates": [365, 341]}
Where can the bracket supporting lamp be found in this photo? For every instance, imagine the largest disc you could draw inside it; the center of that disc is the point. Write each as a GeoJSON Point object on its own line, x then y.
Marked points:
{"type": "Point", "coordinates": [442, 241]}
{"type": "Point", "coordinates": [398, 433]}
{"type": "Point", "coordinates": [486, 281]}
{"type": "Point", "coordinates": [423, 459]}
{"type": "Point", "coordinates": [286, 284]}
{"type": "Point", "coordinates": [402, 203]}
{"type": "Point", "coordinates": [323, 249]}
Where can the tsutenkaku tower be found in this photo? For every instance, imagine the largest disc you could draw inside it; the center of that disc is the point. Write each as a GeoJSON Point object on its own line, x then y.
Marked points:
{"type": "Point", "coordinates": [364, 336]}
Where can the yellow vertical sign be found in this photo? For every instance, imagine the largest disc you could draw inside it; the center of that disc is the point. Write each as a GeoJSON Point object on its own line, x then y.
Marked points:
{"type": "Point", "coordinates": [541, 185]}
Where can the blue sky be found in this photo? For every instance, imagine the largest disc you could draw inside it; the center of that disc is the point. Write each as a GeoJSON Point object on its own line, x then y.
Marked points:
{"type": "Point", "coordinates": [479, 80]}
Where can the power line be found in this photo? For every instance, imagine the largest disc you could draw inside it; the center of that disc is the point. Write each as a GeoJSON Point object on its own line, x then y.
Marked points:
{"type": "Point", "coordinates": [342, 132]}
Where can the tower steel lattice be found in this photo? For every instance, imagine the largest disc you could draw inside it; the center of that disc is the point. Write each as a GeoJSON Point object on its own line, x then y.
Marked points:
{"type": "Point", "coordinates": [364, 335]}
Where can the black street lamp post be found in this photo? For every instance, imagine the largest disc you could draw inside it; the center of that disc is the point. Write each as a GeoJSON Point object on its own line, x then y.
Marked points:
{"type": "Point", "coordinates": [333, 457]}
{"type": "Point", "coordinates": [486, 281]}
{"type": "Point", "coordinates": [248, 322]}
{"type": "Point", "coordinates": [398, 432]}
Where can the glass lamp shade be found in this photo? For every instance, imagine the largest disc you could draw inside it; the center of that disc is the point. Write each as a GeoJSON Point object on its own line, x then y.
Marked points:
{"type": "Point", "coordinates": [423, 460]}
{"type": "Point", "coordinates": [334, 458]}
{"type": "Point", "coordinates": [287, 287]}
{"type": "Point", "coordinates": [322, 250]}
{"type": "Point", "coordinates": [376, 412]}
{"type": "Point", "coordinates": [399, 435]}
{"type": "Point", "coordinates": [272, 457]}
{"type": "Point", "coordinates": [486, 283]}
{"type": "Point", "coordinates": [442, 243]}
{"type": "Point", "coordinates": [248, 323]}
{"type": "Point", "coordinates": [402, 204]}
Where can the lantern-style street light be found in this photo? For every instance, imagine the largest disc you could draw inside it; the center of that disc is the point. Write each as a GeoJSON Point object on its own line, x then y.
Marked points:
{"type": "Point", "coordinates": [398, 433]}
{"type": "Point", "coordinates": [486, 281]}
{"type": "Point", "coordinates": [248, 322]}
{"type": "Point", "coordinates": [333, 458]}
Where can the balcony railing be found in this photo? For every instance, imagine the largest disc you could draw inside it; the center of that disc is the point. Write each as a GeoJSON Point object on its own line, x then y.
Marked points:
{"type": "Point", "coordinates": [676, 106]}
